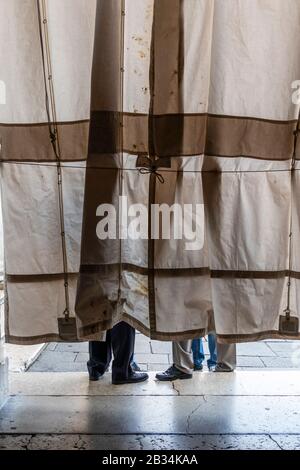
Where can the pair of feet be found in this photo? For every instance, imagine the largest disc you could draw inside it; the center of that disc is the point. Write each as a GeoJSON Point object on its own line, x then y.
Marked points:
{"type": "Point", "coordinates": [173, 373]}
{"type": "Point", "coordinates": [133, 376]}
{"type": "Point", "coordinates": [199, 368]}
{"type": "Point", "coordinates": [220, 367]}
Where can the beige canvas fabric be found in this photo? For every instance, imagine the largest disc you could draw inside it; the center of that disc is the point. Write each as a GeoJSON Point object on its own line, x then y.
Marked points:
{"type": "Point", "coordinates": [35, 295]}
{"type": "Point", "coordinates": [201, 87]}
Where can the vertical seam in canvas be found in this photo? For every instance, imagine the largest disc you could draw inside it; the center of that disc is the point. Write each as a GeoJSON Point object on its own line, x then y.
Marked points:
{"type": "Point", "coordinates": [152, 182]}
{"type": "Point", "coordinates": [54, 135]}
{"type": "Point", "coordinates": [121, 134]}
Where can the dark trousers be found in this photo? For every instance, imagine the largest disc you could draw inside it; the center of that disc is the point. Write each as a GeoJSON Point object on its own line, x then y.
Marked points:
{"type": "Point", "coordinates": [120, 342]}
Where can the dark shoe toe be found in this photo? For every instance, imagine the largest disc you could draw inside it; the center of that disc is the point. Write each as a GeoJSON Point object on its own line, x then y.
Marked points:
{"type": "Point", "coordinates": [133, 378]}
{"type": "Point", "coordinates": [94, 373]}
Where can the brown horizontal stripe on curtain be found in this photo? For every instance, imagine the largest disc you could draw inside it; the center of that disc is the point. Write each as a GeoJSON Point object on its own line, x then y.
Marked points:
{"type": "Point", "coordinates": [202, 271]}
{"type": "Point", "coordinates": [27, 278]}
{"type": "Point", "coordinates": [231, 274]}
{"type": "Point", "coordinates": [31, 142]}
{"type": "Point", "coordinates": [230, 136]}
{"type": "Point", "coordinates": [158, 335]}
{"type": "Point", "coordinates": [194, 134]}
{"type": "Point", "coordinates": [245, 338]}
{"type": "Point", "coordinates": [175, 135]}
{"type": "Point", "coordinates": [29, 340]}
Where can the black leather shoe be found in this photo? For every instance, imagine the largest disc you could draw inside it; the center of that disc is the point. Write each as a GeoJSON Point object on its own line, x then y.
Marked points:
{"type": "Point", "coordinates": [133, 378]}
{"type": "Point", "coordinates": [94, 374]}
{"type": "Point", "coordinates": [173, 374]}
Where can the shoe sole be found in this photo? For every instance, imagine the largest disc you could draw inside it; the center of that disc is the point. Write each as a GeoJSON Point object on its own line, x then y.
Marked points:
{"type": "Point", "coordinates": [124, 382]}
{"type": "Point", "coordinates": [172, 380]}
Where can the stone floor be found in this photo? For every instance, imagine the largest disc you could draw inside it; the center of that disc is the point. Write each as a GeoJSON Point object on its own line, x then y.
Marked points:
{"type": "Point", "coordinates": [156, 355]}
{"type": "Point", "coordinates": [54, 406]}
{"type": "Point", "coordinates": [253, 409]}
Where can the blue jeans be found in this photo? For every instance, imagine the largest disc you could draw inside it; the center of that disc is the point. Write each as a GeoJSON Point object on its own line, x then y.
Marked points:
{"type": "Point", "coordinates": [198, 351]}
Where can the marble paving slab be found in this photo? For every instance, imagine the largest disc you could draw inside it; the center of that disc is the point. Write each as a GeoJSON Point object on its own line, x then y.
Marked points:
{"type": "Point", "coordinates": [151, 414]}
{"type": "Point", "coordinates": [255, 383]}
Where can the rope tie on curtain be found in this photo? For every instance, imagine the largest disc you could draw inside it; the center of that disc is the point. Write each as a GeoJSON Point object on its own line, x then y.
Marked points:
{"type": "Point", "coordinates": [54, 137]}
{"type": "Point", "coordinates": [288, 323]}
{"type": "Point", "coordinates": [146, 165]}
{"type": "Point", "coordinates": [151, 168]}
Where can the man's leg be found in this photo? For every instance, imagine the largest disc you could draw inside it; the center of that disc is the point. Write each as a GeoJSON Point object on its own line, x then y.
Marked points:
{"type": "Point", "coordinates": [122, 339]}
{"type": "Point", "coordinates": [226, 357]}
{"type": "Point", "coordinates": [182, 356]}
{"type": "Point", "coordinates": [198, 353]}
{"type": "Point", "coordinates": [212, 346]}
{"type": "Point", "coordinates": [183, 365]}
{"type": "Point", "coordinates": [100, 357]}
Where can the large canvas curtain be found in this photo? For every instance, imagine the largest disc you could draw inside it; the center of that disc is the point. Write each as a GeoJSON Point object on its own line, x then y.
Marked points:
{"type": "Point", "coordinates": [191, 102]}
{"type": "Point", "coordinates": [35, 294]}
